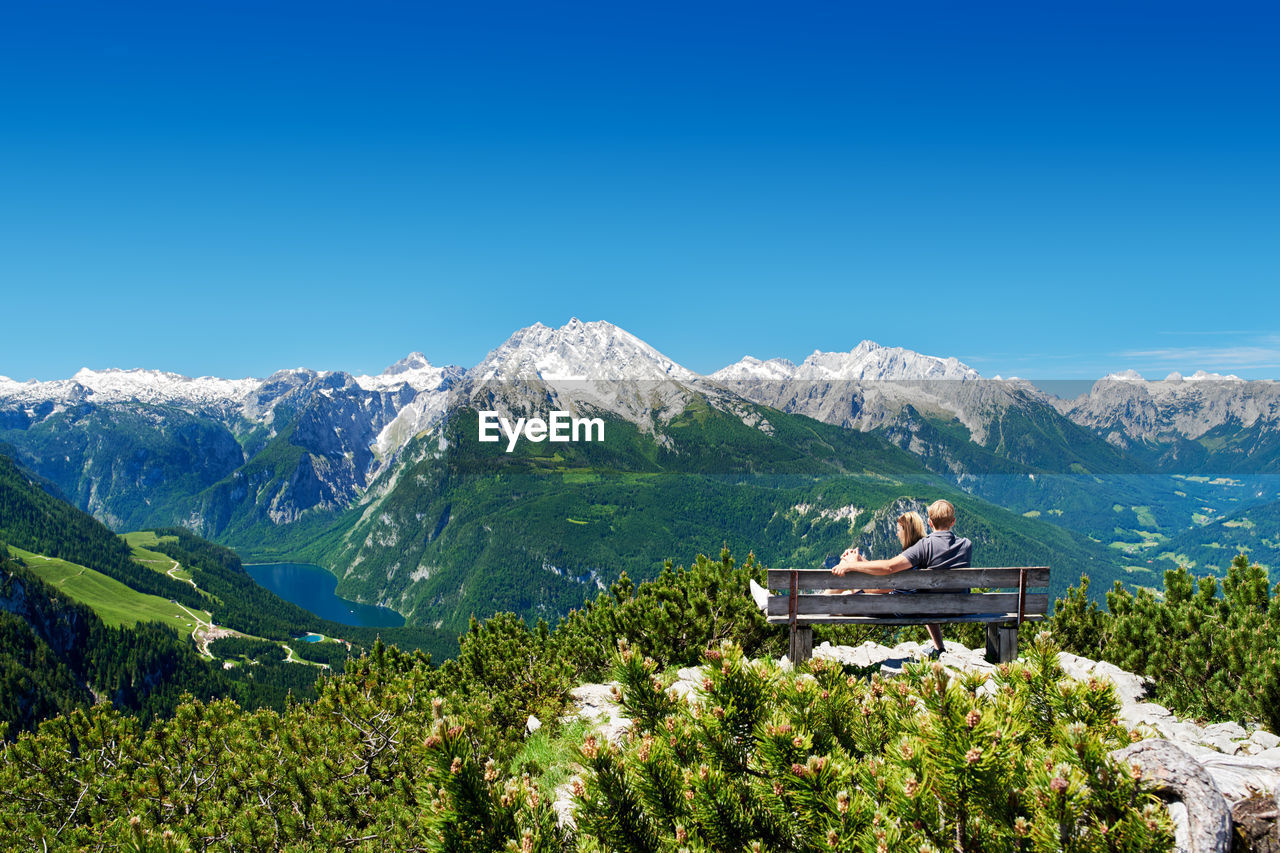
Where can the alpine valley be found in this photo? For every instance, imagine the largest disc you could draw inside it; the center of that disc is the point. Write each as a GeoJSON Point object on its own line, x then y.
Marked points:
{"type": "Point", "coordinates": [381, 479]}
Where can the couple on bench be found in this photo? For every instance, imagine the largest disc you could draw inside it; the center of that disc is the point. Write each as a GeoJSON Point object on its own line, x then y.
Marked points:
{"type": "Point", "coordinates": [941, 549]}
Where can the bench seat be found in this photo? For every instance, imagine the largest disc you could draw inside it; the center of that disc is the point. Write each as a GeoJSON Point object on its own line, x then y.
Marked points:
{"type": "Point", "coordinates": [940, 596]}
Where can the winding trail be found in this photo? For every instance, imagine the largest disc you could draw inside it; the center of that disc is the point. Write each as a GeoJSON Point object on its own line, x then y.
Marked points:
{"type": "Point", "coordinates": [206, 631]}
{"type": "Point", "coordinates": [174, 568]}
{"type": "Point", "coordinates": [292, 657]}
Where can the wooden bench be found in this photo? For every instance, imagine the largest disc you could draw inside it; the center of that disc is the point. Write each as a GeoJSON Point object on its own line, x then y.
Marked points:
{"type": "Point", "coordinates": [1021, 594]}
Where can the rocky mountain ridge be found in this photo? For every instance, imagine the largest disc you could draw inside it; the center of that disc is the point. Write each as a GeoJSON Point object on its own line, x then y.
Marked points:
{"type": "Point", "coordinates": [865, 388]}
{"type": "Point", "coordinates": [252, 461]}
{"type": "Point", "coordinates": [1127, 408]}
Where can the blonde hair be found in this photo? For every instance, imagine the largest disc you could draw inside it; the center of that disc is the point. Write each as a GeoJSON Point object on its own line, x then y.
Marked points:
{"type": "Point", "coordinates": [942, 515]}
{"type": "Point", "coordinates": [910, 528]}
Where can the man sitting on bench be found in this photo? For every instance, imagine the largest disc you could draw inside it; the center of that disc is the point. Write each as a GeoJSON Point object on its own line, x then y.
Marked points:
{"type": "Point", "coordinates": [941, 549]}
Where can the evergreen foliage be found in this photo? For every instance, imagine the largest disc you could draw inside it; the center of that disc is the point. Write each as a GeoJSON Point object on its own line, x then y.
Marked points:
{"type": "Point", "coordinates": [397, 754]}
{"type": "Point", "coordinates": [1212, 648]}
{"type": "Point", "coordinates": [672, 618]}
{"type": "Point", "coordinates": [819, 760]}
{"type": "Point", "coordinates": [505, 673]}
{"type": "Point", "coordinates": [35, 683]}
{"type": "Point", "coordinates": [245, 648]}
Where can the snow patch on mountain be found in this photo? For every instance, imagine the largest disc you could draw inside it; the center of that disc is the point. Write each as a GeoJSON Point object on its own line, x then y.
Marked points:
{"type": "Point", "coordinates": [115, 385]}
{"type": "Point", "coordinates": [419, 415]}
{"type": "Point", "coordinates": [867, 362]}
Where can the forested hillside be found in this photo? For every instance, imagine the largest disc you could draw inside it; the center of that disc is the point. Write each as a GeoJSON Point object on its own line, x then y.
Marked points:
{"type": "Point", "coordinates": [59, 654]}
{"type": "Point", "coordinates": [538, 531]}
{"type": "Point", "coordinates": [399, 753]}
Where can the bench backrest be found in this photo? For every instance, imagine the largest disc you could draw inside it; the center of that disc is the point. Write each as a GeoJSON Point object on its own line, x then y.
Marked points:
{"type": "Point", "coordinates": [939, 592]}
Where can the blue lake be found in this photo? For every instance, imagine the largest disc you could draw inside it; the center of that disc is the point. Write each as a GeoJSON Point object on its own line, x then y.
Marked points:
{"type": "Point", "coordinates": [312, 588]}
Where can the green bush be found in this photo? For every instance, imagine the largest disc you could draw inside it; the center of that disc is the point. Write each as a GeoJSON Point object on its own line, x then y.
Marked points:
{"type": "Point", "coordinates": [673, 618]}
{"type": "Point", "coordinates": [821, 759]}
{"type": "Point", "coordinates": [1214, 656]}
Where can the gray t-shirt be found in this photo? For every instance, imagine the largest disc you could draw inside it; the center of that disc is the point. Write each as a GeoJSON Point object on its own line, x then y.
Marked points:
{"type": "Point", "coordinates": [941, 549]}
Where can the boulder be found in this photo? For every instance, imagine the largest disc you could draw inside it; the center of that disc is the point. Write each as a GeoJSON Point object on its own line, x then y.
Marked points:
{"type": "Point", "coordinates": [595, 701]}
{"type": "Point", "coordinates": [1239, 777]}
{"type": "Point", "coordinates": [1129, 687]}
{"type": "Point", "coordinates": [1257, 825]}
{"type": "Point", "coordinates": [867, 654]}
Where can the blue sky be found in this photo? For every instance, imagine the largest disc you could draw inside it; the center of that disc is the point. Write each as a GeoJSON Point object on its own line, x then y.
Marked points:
{"type": "Point", "coordinates": [1053, 190]}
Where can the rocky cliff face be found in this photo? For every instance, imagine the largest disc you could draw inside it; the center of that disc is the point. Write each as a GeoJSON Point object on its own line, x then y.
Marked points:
{"type": "Point", "coordinates": [1127, 408]}
{"type": "Point", "coordinates": [1204, 423]}
{"type": "Point", "coordinates": [143, 447]}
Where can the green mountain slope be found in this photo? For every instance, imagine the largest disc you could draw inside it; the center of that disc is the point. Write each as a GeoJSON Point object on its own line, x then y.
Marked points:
{"type": "Point", "coordinates": [128, 465]}
{"type": "Point", "coordinates": [40, 523]}
{"type": "Point", "coordinates": [113, 602]}
{"type": "Point", "coordinates": [473, 530]}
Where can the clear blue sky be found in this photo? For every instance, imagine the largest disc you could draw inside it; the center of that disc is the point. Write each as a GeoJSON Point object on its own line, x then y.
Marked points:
{"type": "Point", "coordinates": [1040, 189]}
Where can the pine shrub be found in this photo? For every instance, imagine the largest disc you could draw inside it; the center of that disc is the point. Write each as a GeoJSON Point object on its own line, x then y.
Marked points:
{"type": "Point", "coordinates": [821, 759]}
{"type": "Point", "coordinates": [1212, 649]}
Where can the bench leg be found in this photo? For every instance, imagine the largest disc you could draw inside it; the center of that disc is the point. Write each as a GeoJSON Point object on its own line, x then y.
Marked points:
{"type": "Point", "coordinates": [1002, 643]}
{"type": "Point", "coordinates": [801, 644]}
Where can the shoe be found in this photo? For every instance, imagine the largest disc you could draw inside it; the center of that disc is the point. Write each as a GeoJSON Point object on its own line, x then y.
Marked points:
{"type": "Point", "coordinates": [933, 654]}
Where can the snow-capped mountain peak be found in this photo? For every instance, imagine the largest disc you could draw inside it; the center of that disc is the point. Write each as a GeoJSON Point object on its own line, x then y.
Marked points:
{"type": "Point", "coordinates": [870, 362]}
{"type": "Point", "coordinates": [774, 369]}
{"type": "Point", "coordinates": [867, 362]}
{"type": "Point", "coordinates": [1204, 376]}
{"type": "Point", "coordinates": [413, 370]}
{"type": "Point", "coordinates": [413, 361]}
{"type": "Point", "coordinates": [590, 351]}
{"type": "Point", "coordinates": [115, 385]}
{"type": "Point", "coordinates": [1130, 375]}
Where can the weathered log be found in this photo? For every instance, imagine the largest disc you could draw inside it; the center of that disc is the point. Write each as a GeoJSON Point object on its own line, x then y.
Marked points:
{"type": "Point", "coordinates": [1175, 774]}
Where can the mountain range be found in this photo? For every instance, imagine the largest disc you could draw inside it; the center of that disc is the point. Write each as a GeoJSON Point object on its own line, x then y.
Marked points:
{"type": "Point", "coordinates": [381, 479]}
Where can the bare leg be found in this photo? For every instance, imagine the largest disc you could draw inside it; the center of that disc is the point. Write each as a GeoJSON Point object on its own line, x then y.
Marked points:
{"type": "Point", "coordinates": [935, 634]}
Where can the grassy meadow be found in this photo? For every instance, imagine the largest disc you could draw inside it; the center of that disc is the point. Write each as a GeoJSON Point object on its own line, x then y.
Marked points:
{"type": "Point", "coordinates": [115, 603]}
